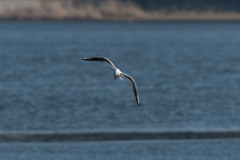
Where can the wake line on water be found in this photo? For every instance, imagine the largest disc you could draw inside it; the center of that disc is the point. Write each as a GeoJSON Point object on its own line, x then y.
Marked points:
{"type": "Point", "coordinates": [114, 136]}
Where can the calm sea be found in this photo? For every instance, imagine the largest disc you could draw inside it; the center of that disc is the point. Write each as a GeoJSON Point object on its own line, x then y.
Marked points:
{"type": "Point", "coordinates": [150, 150]}
{"type": "Point", "coordinates": [188, 78]}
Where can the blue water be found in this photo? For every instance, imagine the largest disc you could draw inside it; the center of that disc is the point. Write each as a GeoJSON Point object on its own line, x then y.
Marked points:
{"type": "Point", "coordinates": [153, 150]}
{"type": "Point", "coordinates": [187, 75]}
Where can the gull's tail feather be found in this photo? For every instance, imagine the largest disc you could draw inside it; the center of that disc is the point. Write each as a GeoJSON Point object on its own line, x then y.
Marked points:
{"type": "Point", "coordinates": [121, 78]}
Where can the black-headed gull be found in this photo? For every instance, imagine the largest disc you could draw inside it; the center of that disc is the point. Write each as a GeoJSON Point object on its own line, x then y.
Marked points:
{"type": "Point", "coordinates": [117, 73]}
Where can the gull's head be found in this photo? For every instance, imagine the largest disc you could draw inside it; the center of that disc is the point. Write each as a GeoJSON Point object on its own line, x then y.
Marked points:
{"type": "Point", "coordinates": [114, 74]}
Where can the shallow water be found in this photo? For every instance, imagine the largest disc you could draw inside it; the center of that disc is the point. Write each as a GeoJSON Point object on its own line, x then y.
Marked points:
{"type": "Point", "coordinates": [187, 75]}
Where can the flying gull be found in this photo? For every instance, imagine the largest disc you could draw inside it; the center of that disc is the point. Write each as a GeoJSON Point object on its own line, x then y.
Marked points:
{"type": "Point", "coordinates": [117, 73]}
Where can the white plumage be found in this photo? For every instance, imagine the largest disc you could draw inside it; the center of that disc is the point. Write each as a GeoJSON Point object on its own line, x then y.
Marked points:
{"type": "Point", "coordinates": [117, 73]}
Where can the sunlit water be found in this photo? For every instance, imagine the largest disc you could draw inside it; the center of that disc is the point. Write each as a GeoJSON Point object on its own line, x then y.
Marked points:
{"type": "Point", "coordinates": [188, 76]}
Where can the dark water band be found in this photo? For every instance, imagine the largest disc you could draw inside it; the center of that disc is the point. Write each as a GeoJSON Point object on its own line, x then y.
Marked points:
{"type": "Point", "coordinates": [114, 136]}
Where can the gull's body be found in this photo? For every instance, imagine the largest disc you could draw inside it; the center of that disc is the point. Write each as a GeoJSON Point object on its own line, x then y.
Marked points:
{"type": "Point", "coordinates": [117, 73]}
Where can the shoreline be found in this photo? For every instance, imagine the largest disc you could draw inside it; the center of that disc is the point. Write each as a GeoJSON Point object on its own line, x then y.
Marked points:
{"type": "Point", "coordinates": [159, 18]}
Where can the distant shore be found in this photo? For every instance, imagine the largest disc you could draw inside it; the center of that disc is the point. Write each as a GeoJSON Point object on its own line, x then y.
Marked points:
{"type": "Point", "coordinates": [161, 18]}
{"type": "Point", "coordinates": [38, 10]}
{"type": "Point", "coordinates": [149, 17]}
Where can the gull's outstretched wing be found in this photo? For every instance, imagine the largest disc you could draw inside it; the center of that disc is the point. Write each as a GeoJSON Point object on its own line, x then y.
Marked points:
{"type": "Point", "coordinates": [133, 85]}
{"type": "Point", "coordinates": [101, 59]}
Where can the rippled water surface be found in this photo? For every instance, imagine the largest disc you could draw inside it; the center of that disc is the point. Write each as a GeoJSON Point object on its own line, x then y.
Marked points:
{"type": "Point", "coordinates": [168, 150]}
{"type": "Point", "coordinates": [188, 76]}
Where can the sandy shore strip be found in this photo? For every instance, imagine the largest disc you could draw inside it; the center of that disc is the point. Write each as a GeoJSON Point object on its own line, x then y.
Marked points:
{"type": "Point", "coordinates": [147, 17]}
{"type": "Point", "coordinates": [38, 10]}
